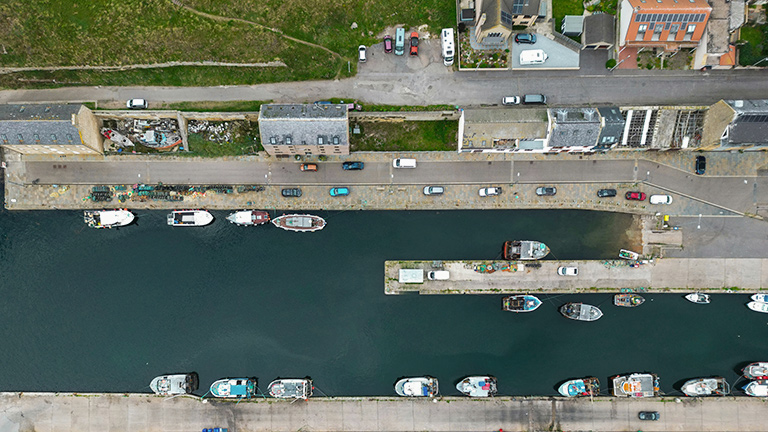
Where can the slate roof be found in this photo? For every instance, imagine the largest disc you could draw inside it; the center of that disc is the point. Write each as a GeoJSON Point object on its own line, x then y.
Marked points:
{"type": "Point", "coordinates": [599, 29]}
{"type": "Point", "coordinates": [612, 126]}
{"type": "Point", "coordinates": [575, 127]}
{"type": "Point", "coordinates": [493, 10]}
{"type": "Point", "coordinates": [296, 124]}
{"type": "Point", "coordinates": [751, 123]}
{"type": "Point", "coordinates": [38, 124]}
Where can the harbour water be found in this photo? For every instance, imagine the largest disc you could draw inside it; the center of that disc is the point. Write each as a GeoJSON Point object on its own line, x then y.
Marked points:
{"type": "Point", "coordinates": [107, 310]}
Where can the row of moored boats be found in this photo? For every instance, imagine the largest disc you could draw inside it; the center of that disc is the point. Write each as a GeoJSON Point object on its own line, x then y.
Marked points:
{"type": "Point", "coordinates": [196, 218]}
{"type": "Point", "coordinates": [232, 388]}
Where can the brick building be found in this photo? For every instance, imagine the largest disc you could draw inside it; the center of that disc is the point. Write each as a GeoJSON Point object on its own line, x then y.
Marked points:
{"type": "Point", "coordinates": [665, 24]}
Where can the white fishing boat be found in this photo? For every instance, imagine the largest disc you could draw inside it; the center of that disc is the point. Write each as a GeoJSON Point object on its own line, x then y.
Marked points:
{"type": "Point", "coordinates": [757, 388]}
{"type": "Point", "coordinates": [636, 385]}
{"type": "Point", "coordinates": [760, 297]}
{"type": "Point", "coordinates": [589, 386]}
{"type": "Point", "coordinates": [299, 222]}
{"type": "Point", "coordinates": [477, 386]}
{"type": "Point", "coordinates": [249, 217]}
{"type": "Point", "coordinates": [189, 218]}
{"type": "Point", "coordinates": [756, 370]}
{"type": "Point", "coordinates": [234, 388]}
{"type": "Point", "coordinates": [417, 387]}
{"type": "Point", "coordinates": [716, 386]}
{"type": "Point", "coordinates": [758, 306]}
{"type": "Point", "coordinates": [520, 303]}
{"type": "Point", "coordinates": [108, 218]}
{"type": "Point", "coordinates": [291, 388]}
{"type": "Point", "coordinates": [628, 254]}
{"type": "Point", "coordinates": [581, 312]}
{"type": "Point", "coordinates": [698, 298]}
{"type": "Point", "coordinates": [176, 384]}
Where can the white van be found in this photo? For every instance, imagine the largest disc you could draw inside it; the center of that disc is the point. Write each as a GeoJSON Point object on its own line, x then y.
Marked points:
{"type": "Point", "coordinates": [400, 41]}
{"type": "Point", "coordinates": [438, 275]}
{"type": "Point", "coordinates": [529, 57]}
{"type": "Point", "coordinates": [446, 40]}
{"type": "Point", "coordinates": [404, 163]}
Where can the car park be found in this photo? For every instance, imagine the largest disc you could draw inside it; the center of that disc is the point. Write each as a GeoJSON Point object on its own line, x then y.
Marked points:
{"type": "Point", "coordinates": [567, 271]}
{"type": "Point", "coordinates": [291, 192]}
{"type": "Point", "coordinates": [308, 167]}
{"type": "Point", "coordinates": [387, 44]}
{"type": "Point", "coordinates": [489, 191]}
{"type": "Point", "coordinates": [404, 163]}
{"type": "Point", "coordinates": [137, 104]}
{"type": "Point", "coordinates": [525, 38]}
{"type": "Point", "coordinates": [635, 196]}
{"type": "Point", "coordinates": [546, 191]}
{"type": "Point", "coordinates": [352, 166]}
{"type": "Point", "coordinates": [433, 190]}
{"type": "Point", "coordinates": [660, 199]}
{"type": "Point", "coordinates": [510, 100]}
{"type": "Point", "coordinates": [414, 43]}
{"type": "Point", "coordinates": [701, 165]}
{"type": "Point", "coordinates": [606, 193]}
{"type": "Point", "coordinates": [339, 191]}
{"type": "Point", "coordinates": [361, 53]}
{"type": "Point", "coordinates": [648, 415]}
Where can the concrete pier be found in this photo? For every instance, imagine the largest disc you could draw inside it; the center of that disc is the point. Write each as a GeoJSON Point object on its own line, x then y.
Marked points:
{"type": "Point", "coordinates": [49, 412]}
{"type": "Point", "coordinates": [659, 275]}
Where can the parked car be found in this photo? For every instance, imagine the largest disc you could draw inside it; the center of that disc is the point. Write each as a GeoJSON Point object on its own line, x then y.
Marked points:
{"type": "Point", "coordinates": [387, 44]}
{"type": "Point", "coordinates": [701, 165]}
{"type": "Point", "coordinates": [404, 163]}
{"type": "Point", "coordinates": [525, 38]}
{"type": "Point", "coordinates": [567, 271]}
{"type": "Point", "coordinates": [490, 191]}
{"type": "Point", "coordinates": [291, 192]}
{"type": "Point", "coordinates": [648, 415]}
{"type": "Point", "coordinates": [309, 167]}
{"type": "Point", "coordinates": [137, 104]}
{"type": "Point", "coordinates": [534, 99]}
{"type": "Point", "coordinates": [351, 166]}
{"type": "Point", "coordinates": [361, 53]}
{"type": "Point", "coordinates": [546, 191]}
{"type": "Point", "coordinates": [433, 190]}
{"type": "Point", "coordinates": [414, 43]}
{"type": "Point", "coordinates": [436, 275]}
{"type": "Point", "coordinates": [606, 193]}
{"type": "Point", "coordinates": [660, 199]}
{"type": "Point", "coordinates": [635, 196]}
{"type": "Point", "coordinates": [339, 191]}
{"type": "Point", "coordinates": [510, 100]}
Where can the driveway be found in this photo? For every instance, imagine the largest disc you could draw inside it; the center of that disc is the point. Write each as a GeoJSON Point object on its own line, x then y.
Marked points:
{"type": "Point", "coordinates": [559, 57]}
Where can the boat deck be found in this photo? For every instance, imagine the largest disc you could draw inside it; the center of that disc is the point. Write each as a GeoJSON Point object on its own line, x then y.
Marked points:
{"type": "Point", "coordinates": [615, 275]}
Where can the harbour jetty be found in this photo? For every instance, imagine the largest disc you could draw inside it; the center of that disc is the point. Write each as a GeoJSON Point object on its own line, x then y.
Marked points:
{"type": "Point", "coordinates": [509, 277]}
{"type": "Point", "coordinates": [69, 412]}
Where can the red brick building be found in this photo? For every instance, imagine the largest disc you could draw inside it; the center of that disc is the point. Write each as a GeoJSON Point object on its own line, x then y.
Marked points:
{"type": "Point", "coordinates": [665, 24]}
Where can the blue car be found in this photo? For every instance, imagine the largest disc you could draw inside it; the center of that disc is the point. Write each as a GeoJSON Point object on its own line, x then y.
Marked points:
{"type": "Point", "coordinates": [339, 191]}
{"type": "Point", "coordinates": [349, 166]}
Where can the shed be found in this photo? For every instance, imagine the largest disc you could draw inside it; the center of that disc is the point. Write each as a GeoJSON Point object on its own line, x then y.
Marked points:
{"type": "Point", "coordinates": [599, 31]}
{"type": "Point", "coordinates": [411, 276]}
{"type": "Point", "coordinates": [572, 25]}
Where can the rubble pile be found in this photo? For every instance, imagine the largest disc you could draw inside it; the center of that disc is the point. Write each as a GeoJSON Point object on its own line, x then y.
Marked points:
{"type": "Point", "coordinates": [160, 134]}
{"type": "Point", "coordinates": [218, 132]}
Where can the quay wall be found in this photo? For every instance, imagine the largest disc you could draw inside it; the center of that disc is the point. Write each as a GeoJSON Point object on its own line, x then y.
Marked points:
{"type": "Point", "coordinates": [72, 412]}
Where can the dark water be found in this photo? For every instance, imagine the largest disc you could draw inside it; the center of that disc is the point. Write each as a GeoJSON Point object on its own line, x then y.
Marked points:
{"type": "Point", "coordinates": [88, 310]}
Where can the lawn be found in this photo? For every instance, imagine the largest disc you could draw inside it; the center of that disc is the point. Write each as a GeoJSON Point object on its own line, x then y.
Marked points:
{"type": "Point", "coordinates": [561, 8]}
{"type": "Point", "coordinates": [406, 136]}
{"type": "Point", "coordinates": [756, 47]}
{"type": "Point", "coordinates": [245, 140]}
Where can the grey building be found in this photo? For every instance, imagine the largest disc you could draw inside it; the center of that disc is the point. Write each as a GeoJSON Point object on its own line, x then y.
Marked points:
{"type": "Point", "coordinates": [736, 124]}
{"type": "Point", "coordinates": [574, 128]}
{"type": "Point", "coordinates": [611, 127]}
{"type": "Point", "coordinates": [49, 129]}
{"type": "Point", "coordinates": [572, 25]}
{"type": "Point", "coordinates": [310, 129]}
{"type": "Point", "coordinates": [503, 130]}
{"type": "Point", "coordinates": [599, 31]}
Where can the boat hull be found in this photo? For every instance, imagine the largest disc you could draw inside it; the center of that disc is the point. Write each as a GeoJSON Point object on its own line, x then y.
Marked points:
{"type": "Point", "coordinates": [189, 218]}
{"type": "Point", "coordinates": [757, 370]}
{"type": "Point", "coordinates": [417, 387]}
{"type": "Point", "coordinates": [581, 312]}
{"type": "Point", "coordinates": [757, 388]}
{"type": "Point", "coordinates": [628, 300]}
{"type": "Point", "coordinates": [294, 388]}
{"type": "Point", "coordinates": [234, 388]}
{"type": "Point", "coordinates": [477, 386]}
{"type": "Point", "coordinates": [249, 217]}
{"type": "Point", "coordinates": [758, 306]}
{"type": "Point", "coordinates": [589, 386]}
{"type": "Point", "coordinates": [698, 298]}
{"type": "Point", "coordinates": [175, 384]}
{"type": "Point", "coordinates": [108, 218]}
{"type": "Point", "coordinates": [637, 385]}
{"type": "Point", "coordinates": [716, 386]}
{"type": "Point", "coordinates": [520, 303]}
{"type": "Point", "coordinates": [525, 250]}
{"type": "Point", "coordinates": [763, 298]}
{"type": "Point", "coordinates": [299, 222]}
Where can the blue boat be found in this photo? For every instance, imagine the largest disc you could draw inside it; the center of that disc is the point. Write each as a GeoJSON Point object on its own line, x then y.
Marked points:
{"type": "Point", "coordinates": [521, 303]}
{"type": "Point", "coordinates": [589, 386]}
{"type": "Point", "coordinates": [234, 388]}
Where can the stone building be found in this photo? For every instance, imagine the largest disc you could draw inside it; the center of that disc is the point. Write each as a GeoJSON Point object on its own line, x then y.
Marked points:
{"type": "Point", "coordinates": [309, 129]}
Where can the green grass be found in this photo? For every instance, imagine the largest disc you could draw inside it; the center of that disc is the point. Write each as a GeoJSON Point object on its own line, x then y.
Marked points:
{"type": "Point", "coordinates": [406, 136]}
{"type": "Point", "coordinates": [231, 106]}
{"type": "Point", "coordinates": [245, 141]}
{"type": "Point", "coordinates": [561, 8]}
{"type": "Point", "coordinates": [756, 46]}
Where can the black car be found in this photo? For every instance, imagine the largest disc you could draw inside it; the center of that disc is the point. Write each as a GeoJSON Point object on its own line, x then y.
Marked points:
{"type": "Point", "coordinates": [648, 415]}
{"type": "Point", "coordinates": [606, 193]}
{"type": "Point", "coordinates": [291, 192]}
{"type": "Point", "coordinates": [525, 38]}
{"type": "Point", "coordinates": [701, 165]}
{"type": "Point", "coordinates": [353, 165]}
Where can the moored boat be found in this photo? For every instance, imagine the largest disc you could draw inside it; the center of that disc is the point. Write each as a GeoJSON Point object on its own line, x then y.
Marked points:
{"type": "Point", "coordinates": [477, 386]}
{"type": "Point", "coordinates": [628, 254]}
{"type": "Point", "coordinates": [636, 385]}
{"type": "Point", "coordinates": [760, 297]}
{"type": "Point", "coordinates": [757, 370]}
{"type": "Point", "coordinates": [698, 298]}
{"type": "Point", "coordinates": [716, 386]}
{"type": "Point", "coordinates": [249, 217]}
{"type": "Point", "coordinates": [417, 387]}
{"type": "Point", "coordinates": [108, 218]}
{"type": "Point", "coordinates": [757, 388]}
{"type": "Point", "coordinates": [175, 384]}
{"type": "Point", "coordinates": [581, 312]}
{"type": "Point", "coordinates": [589, 386]}
{"type": "Point", "coordinates": [758, 306]}
{"type": "Point", "coordinates": [189, 218]}
{"type": "Point", "coordinates": [291, 388]}
{"type": "Point", "coordinates": [524, 250]}
{"type": "Point", "coordinates": [628, 300]}
{"type": "Point", "coordinates": [234, 388]}
{"type": "Point", "coordinates": [299, 222]}
{"type": "Point", "coordinates": [520, 303]}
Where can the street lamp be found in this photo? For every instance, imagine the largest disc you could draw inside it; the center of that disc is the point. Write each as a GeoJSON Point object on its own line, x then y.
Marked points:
{"type": "Point", "coordinates": [760, 61]}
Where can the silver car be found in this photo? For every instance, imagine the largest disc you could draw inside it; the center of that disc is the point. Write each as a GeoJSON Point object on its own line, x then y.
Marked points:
{"type": "Point", "coordinates": [433, 190]}
{"type": "Point", "coordinates": [489, 191]}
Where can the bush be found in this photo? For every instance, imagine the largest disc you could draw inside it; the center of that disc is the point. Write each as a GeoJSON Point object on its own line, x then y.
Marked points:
{"type": "Point", "coordinates": [610, 64]}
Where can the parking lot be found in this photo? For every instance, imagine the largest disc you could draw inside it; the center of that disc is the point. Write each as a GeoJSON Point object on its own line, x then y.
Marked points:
{"type": "Point", "coordinates": [429, 59]}
{"type": "Point", "coordinates": [559, 57]}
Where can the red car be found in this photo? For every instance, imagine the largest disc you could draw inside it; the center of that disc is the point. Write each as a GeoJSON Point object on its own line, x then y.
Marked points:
{"type": "Point", "coordinates": [414, 43]}
{"type": "Point", "coordinates": [635, 196]}
{"type": "Point", "coordinates": [387, 44]}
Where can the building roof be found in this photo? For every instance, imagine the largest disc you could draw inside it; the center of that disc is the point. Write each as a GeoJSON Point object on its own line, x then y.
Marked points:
{"type": "Point", "coordinates": [662, 5]}
{"type": "Point", "coordinates": [38, 112]}
{"type": "Point", "coordinates": [572, 25]}
{"type": "Point", "coordinates": [599, 30]}
{"type": "Point", "coordinates": [575, 127]}
{"type": "Point", "coordinates": [500, 12]}
{"type": "Point", "coordinates": [486, 128]}
{"type": "Point", "coordinates": [38, 124]}
{"type": "Point", "coordinates": [612, 126]}
{"type": "Point", "coordinates": [751, 123]}
{"type": "Point", "coordinates": [310, 124]}
{"type": "Point", "coordinates": [718, 35]}
{"type": "Point", "coordinates": [737, 15]}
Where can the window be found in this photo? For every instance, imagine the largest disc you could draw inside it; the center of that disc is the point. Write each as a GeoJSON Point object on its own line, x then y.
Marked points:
{"type": "Point", "coordinates": [506, 18]}
{"type": "Point", "coordinates": [691, 28]}
{"type": "Point", "coordinates": [642, 28]}
{"type": "Point", "coordinates": [659, 28]}
{"type": "Point", "coordinates": [675, 28]}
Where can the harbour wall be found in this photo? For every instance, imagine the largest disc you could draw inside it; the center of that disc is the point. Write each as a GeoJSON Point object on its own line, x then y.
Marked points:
{"type": "Point", "coordinates": [72, 412]}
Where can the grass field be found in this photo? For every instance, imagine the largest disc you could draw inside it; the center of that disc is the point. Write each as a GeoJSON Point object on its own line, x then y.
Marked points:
{"type": "Point", "coordinates": [406, 136]}
{"type": "Point", "coordinates": [756, 47]}
{"type": "Point", "coordinates": [561, 8]}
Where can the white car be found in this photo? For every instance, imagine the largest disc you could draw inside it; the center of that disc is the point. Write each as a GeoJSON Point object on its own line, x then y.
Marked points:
{"type": "Point", "coordinates": [137, 104]}
{"type": "Point", "coordinates": [660, 199]}
{"type": "Point", "coordinates": [361, 54]}
{"type": "Point", "coordinates": [490, 191]}
{"type": "Point", "coordinates": [511, 100]}
{"type": "Point", "coordinates": [567, 271]}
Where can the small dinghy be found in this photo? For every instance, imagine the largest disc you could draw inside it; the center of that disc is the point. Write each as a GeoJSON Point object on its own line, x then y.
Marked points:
{"type": "Point", "coordinates": [520, 303]}
{"type": "Point", "coordinates": [760, 297]}
{"type": "Point", "coordinates": [698, 298]}
{"type": "Point", "coordinates": [477, 386]}
{"type": "Point", "coordinates": [757, 388]}
{"type": "Point", "coordinates": [758, 306]}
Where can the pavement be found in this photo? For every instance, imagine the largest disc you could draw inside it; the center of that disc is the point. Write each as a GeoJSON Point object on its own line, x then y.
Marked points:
{"type": "Point", "coordinates": [67, 412]}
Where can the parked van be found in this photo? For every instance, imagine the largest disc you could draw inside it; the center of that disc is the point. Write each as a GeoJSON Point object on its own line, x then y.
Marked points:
{"type": "Point", "coordinates": [404, 163]}
{"type": "Point", "coordinates": [534, 99]}
{"type": "Point", "coordinates": [530, 57]}
{"type": "Point", "coordinates": [446, 40]}
{"type": "Point", "coordinates": [438, 275]}
{"type": "Point", "coordinates": [400, 41]}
